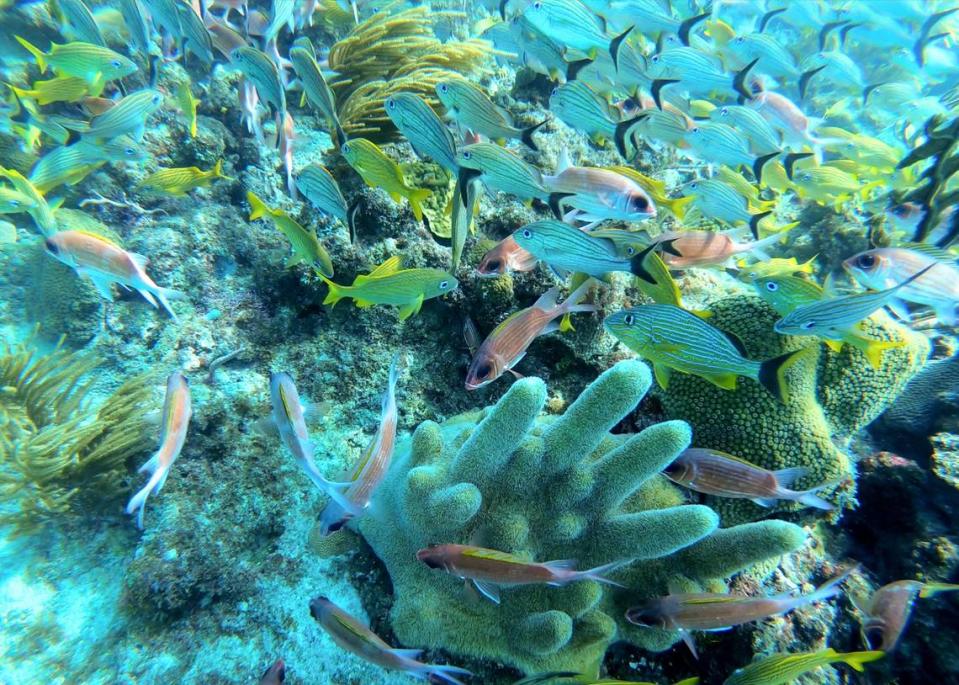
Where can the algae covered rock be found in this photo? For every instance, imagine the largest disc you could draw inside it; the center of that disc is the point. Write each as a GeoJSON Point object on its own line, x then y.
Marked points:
{"type": "Point", "coordinates": [831, 395]}
{"type": "Point", "coordinates": [551, 488]}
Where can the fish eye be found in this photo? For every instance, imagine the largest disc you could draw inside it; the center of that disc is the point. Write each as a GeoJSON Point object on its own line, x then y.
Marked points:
{"type": "Point", "coordinates": [484, 371]}
{"type": "Point", "coordinates": [866, 260]}
{"type": "Point", "coordinates": [640, 203]}
{"type": "Point", "coordinates": [335, 526]}
{"type": "Point", "coordinates": [52, 247]}
{"type": "Point", "coordinates": [694, 130]}
{"type": "Point", "coordinates": [654, 59]}
{"type": "Point", "coordinates": [156, 99]}
{"type": "Point", "coordinates": [808, 325]}
{"type": "Point", "coordinates": [444, 285]}
{"type": "Point", "coordinates": [740, 39]}
{"type": "Point", "coordinates": [724, 112]}
{"type": "Point", "coordinates": [14, 203]}
{"type": "Point", "coordinates": [772, 286]}
{"type": "Point", "coordinates": [554, 91]}
{"type": "Point", "coordinates": [129, 151]}
{"type": "Point", "coordinates": [391, 103]}
{"type": "Point", "coordinates": [629, 319]}
{"type": "Point", "coordinates": [537, 5]}
{"type": "Point", "coordinates": [115, 64]}
{"type": "Point", "coordinates": [630, 250]}
{"type": "Point", "coordinates": [805, 177]}
{"type": "Point", "coordinates": [467, 154]}
{"type": "Point", "coordinates": [694, 185]}
{"type": "Point", "coordinates": [527, 233]}
{"type": "Point", "coordinates": [493, 265]}
{"type": "Point", "coordinates": [444, 87]}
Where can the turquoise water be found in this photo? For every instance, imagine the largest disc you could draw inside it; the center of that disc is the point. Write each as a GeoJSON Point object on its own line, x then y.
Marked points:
{"type": "Point", "coordinates": [469, 342]}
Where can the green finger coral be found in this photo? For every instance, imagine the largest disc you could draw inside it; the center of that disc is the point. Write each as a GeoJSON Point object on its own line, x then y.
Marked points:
{"type": "Point", "coordinates": [832, 396]}
{"type": "Point", "coordinates": [551, 488]}
{"type": "Point", "coordinates": [59, 453]}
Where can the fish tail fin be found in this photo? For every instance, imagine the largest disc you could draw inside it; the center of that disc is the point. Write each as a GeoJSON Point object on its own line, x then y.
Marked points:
{"type": "Point", "coordinates": [615, 44]}
{"type": "Point", "coordinates": [341, 136]}
{"type": "Point", "coordinates": [394, 377]}
{"type": "Point", "coordinates": [930, 589]}
{"type": "Point", "coordinates": [810, 499]}
{"type": "Point", "coordinates": [573, 68]}
{"type": "Point", "coordinates": [657, 89]}
{"type": "Point", "coordinates": [739, 82]}
{"type": "Point", "coordinates": [218, 171]}
{"type": "Point", "coordinates": [555, 203]}
{"type": "Point", "coordinates": [258, 208]}
{"type": "Point", "coordinates": [772, 374]}
{"type": "Point", "coordinates": [677, 207]}
{"type": "Point", "coordinates": [761, 162]}
{"type": "Point", "coordinates": [443, 675]}
{"type": "Point", "coordinates": [416, 198]}
{"type": "Point", "coordinates": [527, 135]}
{"type": "Point", "coordinates": [599, 574]}
{"type": "Point", "coordinates": [572, 302]}
{"type": "Point", "coordinates": [637, 265]}
{"type": "Point", "coordinates": [789, 161]}
{"type": "Point", "coordinates": [804, 79]}
{"type": "Point", "coordinates": [622, 131]}
{"type": "Point", "coordinates": [163, 295]}
{"type": "Point", "coordinates": [830, 588]}
{"type": "Point", "coordinates": [855, 660]}
{"type": "Point", "coordinates": [754, 222]}
{"type": "Point", "coordinates": [37, 53]}
{"type": "Point", "coordinates": [138, 502]}
{"type": "Point", "coordinates": [336, 293]}
{"type": "Point", "coordinates": [689, 24]}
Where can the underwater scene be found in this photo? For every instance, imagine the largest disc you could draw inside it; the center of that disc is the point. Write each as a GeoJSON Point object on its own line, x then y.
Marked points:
{"type": "Point", "coordinates": [492, 342]}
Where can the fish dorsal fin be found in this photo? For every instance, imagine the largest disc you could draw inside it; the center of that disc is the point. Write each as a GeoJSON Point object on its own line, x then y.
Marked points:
{"type": "Point", "coordinates": [713, 599]}
{"type": "Point", "coordinates": [100, 237]}
{"type": "Point", "coordinates": [931, 251]}
{"type": "Point", "coordinates": [140, 260]}
{"type": "Point", "coordinates": [390, 266]}
{"type": "Point", "coordinates": [493, 555]}
{"type": "Point", "coordinates": [563, 162]}
{"type": "Point", "coordinates": [737, 343]}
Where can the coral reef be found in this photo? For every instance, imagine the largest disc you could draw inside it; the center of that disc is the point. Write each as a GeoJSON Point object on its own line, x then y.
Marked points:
{"type": "Point", "coordinates": [392, 53]}
{"type": "Point", "coordinates": [832, 395]}
{"type": "Point", "coordinates": [59, 454]}
{"type": "Point", "coordinates": [551, 488]}
{"type": "Point", "coordinates": [929, 403]}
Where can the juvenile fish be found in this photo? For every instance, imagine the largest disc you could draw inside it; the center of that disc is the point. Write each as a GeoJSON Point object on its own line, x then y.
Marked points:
{"type": "Point", "coordinates": [355, 637]}
{"type": "Point", "coordinates": [379, 171]}
{"type": "Point", "coordinates": [372, 465]}
{"type": "Point", "coordinates": [177, 409]}
{"type": "Point", "coordinates": [263, 74]}
{"type": "Point", "coordinates": [288, 415]}
{"type": "Point", "coordinates": [885, 267]}
{"type": "Point", "coordinates": [505, 257]}
{"type": "Point", "coordinates": [501, 170]}
{"type": "Point", "coordinates": [777, 266]}
{"type": "Point", "coordinates": [887, 612]}
{"type": "Point", "coordinates": [59, 89]}
{"type": "Point", "coordinates": [428, 135]}
{"type": "Point", "coordinates": [94, 64]}
{"type": "Point", "coordinates": [489, 569]}
{"type": "Point", "coordinates": [188, 105]}
{"type": "Point", "coordinates": [506, 345]}
{"type": "Point", "coordinates": [781, 669]}
{"type": "Point", "coordinates": [390, 284]}
{"type": "Point", "coordinates": [712, 472]}
{"type": "Point", "coordinates": [474, 111]}
{"type": "Point", "coordinates": [320, 188]}
{"type": "Point", "coordinates": [316, 88]}
{"type": "Point", "coordinates": [105, 263]}
{"type": "Point", "coordinates": [719, 611]}
{"type": "Point", "coordinates": [673, 339]}
{"type": "Point", "coordinates": [569, 250]}
{"type": "Point", "coordinates": [307, 249]}
{"type": "Point", "coordinates": [179, 181]}
{"type": "Point", "coordinates": [598, 194]}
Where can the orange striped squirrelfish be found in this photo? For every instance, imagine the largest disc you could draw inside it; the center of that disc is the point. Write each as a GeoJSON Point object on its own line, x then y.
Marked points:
{"type": "Point", "coordinates": [505, 257]}
{"type": "Point", "coordinates": [887, 611]}
{"type": "Point", "coordinates": [372, 465]}
{"type": "Point", "coordinates": [719, 611]}
{"type": "Point", "coordinates": [489, 569]}
{"type": "Point", "coordinates": [356, 637]}
{"type": "Point", "coordinates": [506, 345]}
{"type": "Point", "coordinates": [685, 249]}
{"type": "Point", "coordinates": [177, 409]}
{"type": "Point", "coordinates": [105, 263]}
{"type": "Point", "coordinates": [716, 473]}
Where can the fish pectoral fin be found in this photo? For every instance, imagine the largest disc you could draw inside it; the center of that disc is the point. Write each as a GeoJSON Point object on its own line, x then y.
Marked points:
{"type": "Point", "coordinates": [834, 345]}
{"type": "Point", "coordinates": [726, 381]}
{"type": "Point", "coordinates": [690, 642]}
{"type": "Point", "coordinates": [293, 260]}
{"type": "Point", "coordinates": [396, 197]}
{"type": "Point", "coordinates": [488, 590]}
{"type": "Point", "coordinates": [662, 373]}
{"type": "Point", "coordinates": [408, 310]}
{"type": "Point", "coordinates": [764, 502]}
{"type": "Point", "coordinates": [266, 426]}
{"type": "Point", "coordinates": [666, 348]}
{"type": "Point", "coordinates": [363, 304]}
{"type": "Point", "coordinates": [102, 285]}
{"type": "Point", "coordinates": [407, 653]}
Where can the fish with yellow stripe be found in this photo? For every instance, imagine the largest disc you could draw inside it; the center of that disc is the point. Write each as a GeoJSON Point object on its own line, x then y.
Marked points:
{"type": "Point", "coordinates": [306, 247]}
{"type": "Point", "coordinates": [177, 182]}
{"type": "Point", "coordinates": [488, 569]}
{"type": "Point", "coordinates": [780, 669]}
{"type": "Point", "coordinates": [379, 171]}
{"type": "Point", "coordinates": [95, 64]}
{"type": "Point", "coordinates": [58, 89]}
{"type": "Point", "coordinates": [391, 284]}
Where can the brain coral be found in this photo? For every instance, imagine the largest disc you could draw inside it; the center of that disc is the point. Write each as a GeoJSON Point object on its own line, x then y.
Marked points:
{"type": "Point", "coordinates": [831, 395]}
{"type": "Point", "coordinates": [551, 488]}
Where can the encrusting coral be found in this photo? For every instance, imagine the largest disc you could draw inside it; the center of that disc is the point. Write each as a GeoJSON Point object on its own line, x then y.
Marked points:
{"type": "Point", "coordinates": [59, 454]}
{"type": "Point", "coordinates": [551, 488]}
{"type": "Point", "coordinates": [832, 395]}
{"type": "Point", "coordinates": [392, 53]}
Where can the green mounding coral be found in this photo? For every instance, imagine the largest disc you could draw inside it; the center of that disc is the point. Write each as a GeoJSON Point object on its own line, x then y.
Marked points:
{"type": "Point", "coordinates": [59, 454]}
{"type": "Point", "coordinates": [551, 488]}
{"type": "Point", "coordinates": [832, 395]}
{"type": "Point", "coordinates": [392, 53]}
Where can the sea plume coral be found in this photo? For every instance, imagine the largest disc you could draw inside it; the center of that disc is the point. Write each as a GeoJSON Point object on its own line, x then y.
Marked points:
{"type": "Point", "coordinates": [551, 488]}
{"type": "Point", "coordinates": [59, 453]}
{"type": "Point", "coordinates": [389, 53]}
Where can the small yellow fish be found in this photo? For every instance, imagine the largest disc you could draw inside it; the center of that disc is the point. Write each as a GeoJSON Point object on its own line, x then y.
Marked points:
{"type": "Point", "coordinates": [59, 89]}
{"type": "Point", "coordinates": [379, 171]}
{"type": "Point", "coordinates": [187, 104]}
{"type": "Point", "coordinates": [306, 247]}
{"type": "Point", "coordinates": [777, 266]}
{"type": "Point", "coordinates": [780, 669]}
{"type": "Point", "coordinates": [179, 181]}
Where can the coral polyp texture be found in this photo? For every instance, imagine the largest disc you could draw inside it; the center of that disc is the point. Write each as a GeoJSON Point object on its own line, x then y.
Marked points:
{"type": "Point", "coordinates": [60, 453]}
{"type": "Point", "coordinates": [546, 487]}
{"type": "Point", "coordinates": [832, 396]}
